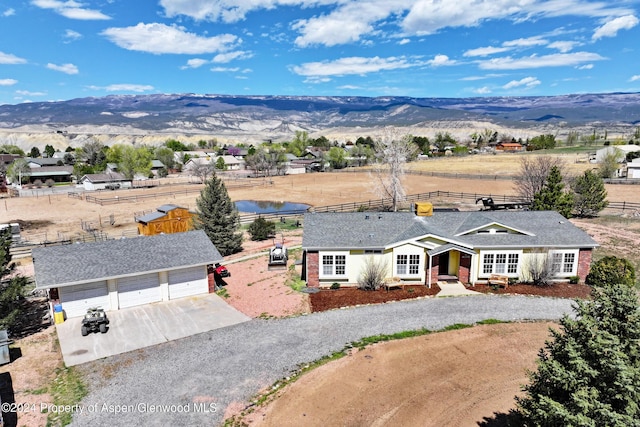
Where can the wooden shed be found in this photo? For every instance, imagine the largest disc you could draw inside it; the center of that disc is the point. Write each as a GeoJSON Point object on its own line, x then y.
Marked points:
{"type": "Point", "coordinates": [166, 219]}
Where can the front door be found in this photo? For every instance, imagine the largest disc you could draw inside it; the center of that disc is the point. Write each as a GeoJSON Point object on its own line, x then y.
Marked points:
{"type": "Point", "coordinates": [443, 264]}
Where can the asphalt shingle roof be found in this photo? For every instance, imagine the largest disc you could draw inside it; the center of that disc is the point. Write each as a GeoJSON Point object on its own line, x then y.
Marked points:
{"type": "Point", "coordinates": [78, 263]}
{"type": "Point", "coordinates": [361, 230]}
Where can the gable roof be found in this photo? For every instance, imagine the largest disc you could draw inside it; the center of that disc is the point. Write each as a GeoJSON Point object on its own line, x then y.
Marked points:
{"type": "Point", "coordinates": [111, 259]}
{"type": "Point", "coordinates": [366, 230]}
{"type": "Point", "coordinates": [103, 177]}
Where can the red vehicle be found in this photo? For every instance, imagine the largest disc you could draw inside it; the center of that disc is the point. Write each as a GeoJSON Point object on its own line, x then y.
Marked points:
{"type": "Point", "coordinates": [221, 270]}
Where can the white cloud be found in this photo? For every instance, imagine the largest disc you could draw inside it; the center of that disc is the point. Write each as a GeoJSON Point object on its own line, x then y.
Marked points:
{"type": "Point", "coordinates": [611, 28]}
{"type": "Point", "coordinates": [635, 78]}
{"type": "Point", "coordinates": [526, 42]}
{"type": "Point", "coordinates": [585, 67]}
{"type": "Point", "coordinates": [123, 87]}
{"type": "Point", "coordinates": [527, 82]}
{"type": "Point", "coordinates": [482, 90]}
{"type": "Point", "coordinates": [70, 36]}
{"type": "Point", "coordinates": [330, 30]}
{"type": "Point", "coordinates": [225, 69]}
{"type": "Point", "coordinates": [64, 68]}
{"type": "Point", "coordinates": [486, 76]}
{"type": "Point", "coordinates": [9, 59]}
{"type": "Point", "coordinates": [563, 46]}
{"type": "Point", "coordinates": [352, 65]}
{"type": "Point", "coordinates": [8, 82]}
{"type": "Point", "coordinates": [485, 51]}
{"type": "Point", "coordinates": [404, 41]}
{"type": "Point", "coordinates": [535, 61]}
{"type": "Point", "coordinates": [230, 56]}
{"type": "Point", "coordinates": [440, 61]}
{"type": "Point", "coordinates": [195, 63]}
{"type": "Point", "coordinates": [159, 38]}
{"type": "Point", "coordinates": [71, 9]}
{"type": "Point", "coordinates": [28, 93]}
{"type": "Point", "coordinates": [9, 12]}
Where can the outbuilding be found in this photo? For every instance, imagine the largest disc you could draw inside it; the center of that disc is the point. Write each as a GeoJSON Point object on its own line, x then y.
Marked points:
{"type": "Point", "coordinates": [115, 274]}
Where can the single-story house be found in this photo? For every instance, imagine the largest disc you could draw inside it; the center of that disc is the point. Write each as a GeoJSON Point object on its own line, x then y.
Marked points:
{"type": "Point", "coordinates": [115, 274]}
{"type": "Point", "coordinates": [166, 219]}
{"type": "Point", "coordinates": [39, 162]}
{"type": "Point", "coordinates": [468, 246]}
{"type": "Point", "coordinates": [102, 181]}
{"type": "Point", "coordinates": [633, 169]}
{"type": "Point", "coordinates": [620, 151]}
{"type": "Point", "coordinates": [509, 146]}
{"type": "Point", "coordinates": [54, 173]}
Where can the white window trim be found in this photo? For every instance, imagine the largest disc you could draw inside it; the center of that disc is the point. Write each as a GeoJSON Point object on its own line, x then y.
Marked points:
{"type": "Point", "coordinates": [333, 274]}
{"type": "Point", "coordinates": [408, 264]}
{"type": "Point", "coordinates": [576, 258]}
{"type": "Point", "coordinates": [482, 274]}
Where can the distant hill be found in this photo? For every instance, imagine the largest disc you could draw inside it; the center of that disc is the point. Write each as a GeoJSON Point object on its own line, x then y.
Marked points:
{"type": "Point", "coordinates": [250, 118]}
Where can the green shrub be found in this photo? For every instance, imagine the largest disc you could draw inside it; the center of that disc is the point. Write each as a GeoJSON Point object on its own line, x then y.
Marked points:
{"type": "Point", "coordinates": [574, 280]}
{"type": "Point", "coordinates": [611, 270]}
{"type": "Point", "coordinates": [335, 285]}
{"type": "Point", "coordinates": [261, 229]}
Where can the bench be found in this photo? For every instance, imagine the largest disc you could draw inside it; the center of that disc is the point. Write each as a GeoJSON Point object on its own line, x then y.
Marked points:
{"type": "Point", "coordinates": [499, 279]}
{"type": "Point", "coordinates": [392, 282]}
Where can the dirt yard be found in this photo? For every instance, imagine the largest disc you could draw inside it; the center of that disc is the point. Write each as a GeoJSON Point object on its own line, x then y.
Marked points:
{"type": "Point", "coordinates": [455, 378]}
{"type": "Point", "coordinates": [466, 369]}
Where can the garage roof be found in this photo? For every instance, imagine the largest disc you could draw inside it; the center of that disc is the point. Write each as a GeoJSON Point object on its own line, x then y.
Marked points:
{"type": "Point", "coordinates": [57, 266]}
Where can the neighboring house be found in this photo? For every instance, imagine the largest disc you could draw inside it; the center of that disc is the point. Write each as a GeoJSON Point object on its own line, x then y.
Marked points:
{"type": "Point", "coordinates": [621, 152]}
{"type": "Point", "coordinates": [469, 246]}
{"type": "Point", "coordinates": [509, 146]}
{"type": "Point", "coordinates": [38, 162]}
{"type": "Point", "coordinates": [116, 274]}
{"type": "Point", "coordinates": [195, 162]}
{"type": "Point", "coordinates": [54, 173]}
{"type": "Point", "coordinates": [633, 169]}
{"type": "Point", "coordinates": [102, 181]}
{"type": "Point", "coordinates": [111, 168]}
{"type": "Point", "coordinates": [231, 163]}
{"type": "Point", "coordinates": [156, 165]}
{"type": "Point", "coordinates": [167, 219]}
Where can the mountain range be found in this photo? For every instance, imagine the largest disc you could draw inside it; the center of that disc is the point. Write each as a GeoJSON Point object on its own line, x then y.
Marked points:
{"type": "Point", "coordinates": [254, 118]}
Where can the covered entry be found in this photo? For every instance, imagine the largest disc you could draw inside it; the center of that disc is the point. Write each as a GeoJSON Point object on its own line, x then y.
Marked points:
{"type": "Point", "coordinates": [76, 300]}
{"type": "Point", "coordinates": [449, 262]}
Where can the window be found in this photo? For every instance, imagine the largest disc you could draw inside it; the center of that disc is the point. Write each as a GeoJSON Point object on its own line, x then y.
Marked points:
{"type": "Point", "coordinates": [334, 265]}
{"type": "Point", "coordinates": [563, 262]}
{"type": "Point", "coordinates": [500, 263]}
{"type": "Point", "coordinates": [407, 264]}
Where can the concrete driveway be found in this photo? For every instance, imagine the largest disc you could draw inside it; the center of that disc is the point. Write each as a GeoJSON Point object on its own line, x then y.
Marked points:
{"type": "Point", "coordinates": [147, 325]}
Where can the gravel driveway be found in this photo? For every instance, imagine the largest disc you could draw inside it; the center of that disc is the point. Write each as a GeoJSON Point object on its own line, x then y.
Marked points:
{"type": "Point", "coordinates": [198, 377]}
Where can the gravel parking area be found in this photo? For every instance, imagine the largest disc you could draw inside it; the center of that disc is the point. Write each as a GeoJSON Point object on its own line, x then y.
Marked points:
{"type": "Point", "coordinates": [199, 377]}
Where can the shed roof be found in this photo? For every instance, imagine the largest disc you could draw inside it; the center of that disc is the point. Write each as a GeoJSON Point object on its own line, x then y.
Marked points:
{"type": "Point", "coordinates": [57, 266]}
{"type": "Point", "coordinates": [362, 230]}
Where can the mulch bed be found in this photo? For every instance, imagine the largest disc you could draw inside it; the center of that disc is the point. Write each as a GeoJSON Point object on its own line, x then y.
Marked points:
{"type": "Point", "coordinates": [328, 299]}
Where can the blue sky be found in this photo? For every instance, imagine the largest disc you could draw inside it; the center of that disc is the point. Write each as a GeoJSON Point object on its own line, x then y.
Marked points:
{"type": "Point", "coordinates": [53, 50]}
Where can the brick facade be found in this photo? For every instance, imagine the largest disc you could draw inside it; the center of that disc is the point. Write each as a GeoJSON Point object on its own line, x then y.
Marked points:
{"type": "Point", "coordinates": [312, 260]}
{"type": "Point", "coordinates": [584, 263]}
{"type": "Point", "coordinates": [435, 269]}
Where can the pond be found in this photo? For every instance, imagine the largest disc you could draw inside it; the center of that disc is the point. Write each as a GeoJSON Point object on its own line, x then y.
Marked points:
{"type": "Point", "coordinates": [265, 207]}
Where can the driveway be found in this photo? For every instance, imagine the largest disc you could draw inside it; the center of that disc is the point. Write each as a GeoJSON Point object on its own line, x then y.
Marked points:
{"type": "Point", "coordinates": [192, 381]}
{"type": "Point", "coordinates": [138, 327]}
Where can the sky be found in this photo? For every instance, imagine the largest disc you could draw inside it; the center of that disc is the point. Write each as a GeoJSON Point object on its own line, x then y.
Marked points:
{"type": "Point", "coordinates": [53, 50]}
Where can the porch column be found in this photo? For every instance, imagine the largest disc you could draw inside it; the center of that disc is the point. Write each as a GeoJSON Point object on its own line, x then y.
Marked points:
{"type": "Point", "coordinates": [429, 272]}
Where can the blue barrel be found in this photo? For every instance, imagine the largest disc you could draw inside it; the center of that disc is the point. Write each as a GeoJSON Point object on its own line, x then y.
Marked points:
{"type": "Point", "coordinates": [57, 308]}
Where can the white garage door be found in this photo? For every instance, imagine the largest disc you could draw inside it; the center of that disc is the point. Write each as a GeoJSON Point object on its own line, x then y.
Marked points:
{"type": "Point", "coordinates": [188, 281]}
{"type": "Point", "coordinates": [138, 290]}
{"type": "Point", "coordinates": [76, 300]}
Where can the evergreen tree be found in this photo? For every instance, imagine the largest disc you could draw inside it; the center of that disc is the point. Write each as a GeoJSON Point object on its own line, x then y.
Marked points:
{"type": "Point", "coordinates": [261, 229]}
{"type": "Point", "coordinates": [590, 196]}
{"type": "Point", "coordinates": [589, 374]}
{"type": "Point", "coordinates": [218, 217]}
{"type": "Point", "coordinates": [552, 196]}
{"type": "Point", "coordinates": [11, 289]}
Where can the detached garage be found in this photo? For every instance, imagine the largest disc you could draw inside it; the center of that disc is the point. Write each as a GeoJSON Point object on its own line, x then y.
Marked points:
{"type": "Point", "coordinates": [123, 273]}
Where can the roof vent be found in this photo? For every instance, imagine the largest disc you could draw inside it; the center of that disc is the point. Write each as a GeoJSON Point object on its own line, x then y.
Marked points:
{"type": "Point", "coordinates": [366, 217]}
{"type": "Point", "coordinates": [371, 235]}
{"type": "Point", "coordinates": [379, 216]}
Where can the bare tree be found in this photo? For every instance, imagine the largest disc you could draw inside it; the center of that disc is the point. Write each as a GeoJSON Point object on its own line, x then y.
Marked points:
{"type": "Point", "coordinates": [393, 153]}
{"type": "Point", "coordinates": [203, 170]}
{"type": "Point", "coordinates": [373, 273]}
{"type": "Point", "coordinates": [538, 268]}
{"type": "Point", "coordinates": [534, 171]}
